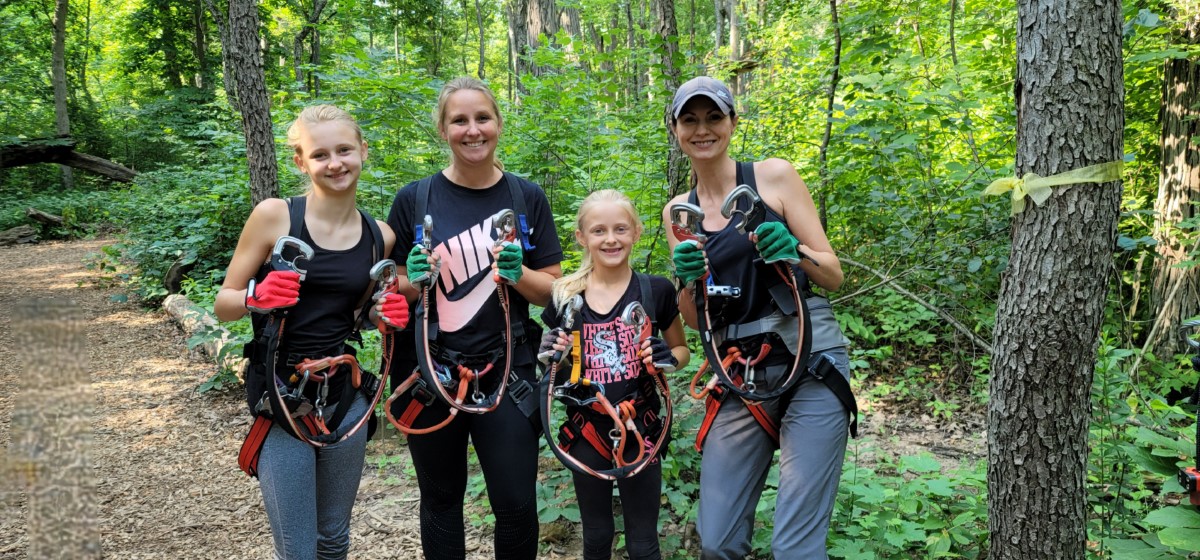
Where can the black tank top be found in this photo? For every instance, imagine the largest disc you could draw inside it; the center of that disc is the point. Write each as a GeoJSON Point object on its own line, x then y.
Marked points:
{"type": "Point", "coordinates": [734, 261]}
{"type": "Point", "coordinates": [329, 296]}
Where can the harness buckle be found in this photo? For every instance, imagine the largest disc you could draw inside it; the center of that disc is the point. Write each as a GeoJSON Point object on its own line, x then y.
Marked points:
{"type": "Point", "coordinates": [822, 369]}
{"type": "Point", "coordinates": [421, 393]}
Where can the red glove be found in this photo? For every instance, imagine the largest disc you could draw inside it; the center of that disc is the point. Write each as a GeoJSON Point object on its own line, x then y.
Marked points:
{"type": "Point", "coordinates": [393, 313]}
{"type": "Point", "coordinates": [280, 289]}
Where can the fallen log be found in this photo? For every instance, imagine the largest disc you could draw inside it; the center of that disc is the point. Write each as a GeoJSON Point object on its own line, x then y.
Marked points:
{"type": "Point", "coordinates": [196, 320]}
{"type": "Point", "coordinates": [43, 217]}
{"type": "Point", "coordinates": [61, 151]}
{"type": "Point", "coordinates": [19, 234]}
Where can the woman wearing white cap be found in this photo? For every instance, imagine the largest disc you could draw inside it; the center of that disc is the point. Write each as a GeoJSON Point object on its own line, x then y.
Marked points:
{"type": "Point", "coordinates": [809, 422]}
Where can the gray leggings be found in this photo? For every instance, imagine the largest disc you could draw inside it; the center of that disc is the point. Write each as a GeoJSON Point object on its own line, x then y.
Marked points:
{"type": "Point", "coordinates": [309, 492]}
{"type": "Point", "coordinates": [737, 455]}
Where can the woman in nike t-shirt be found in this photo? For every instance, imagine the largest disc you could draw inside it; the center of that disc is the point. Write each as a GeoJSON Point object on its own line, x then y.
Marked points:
{"type": "Point", "coordinates": [461, 200]}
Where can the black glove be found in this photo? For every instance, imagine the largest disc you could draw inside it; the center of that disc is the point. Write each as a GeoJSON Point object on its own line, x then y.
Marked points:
{"type": "Point", "coordinates": [659, 355]}
{"type": "Point", "coordinates": [546, 349]}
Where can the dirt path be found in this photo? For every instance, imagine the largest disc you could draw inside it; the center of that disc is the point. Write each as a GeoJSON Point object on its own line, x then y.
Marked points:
{"type": "Point", "coordinates": [164, 457]}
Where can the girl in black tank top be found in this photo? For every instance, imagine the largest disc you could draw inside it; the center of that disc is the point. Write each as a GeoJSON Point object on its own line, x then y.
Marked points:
{"type": "Point", "coordinates": [308, 491]}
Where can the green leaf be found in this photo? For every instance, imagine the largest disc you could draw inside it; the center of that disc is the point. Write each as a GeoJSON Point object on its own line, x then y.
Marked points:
{"type": "Point", "coordinates": [1176, 516]}
{"type": "Point", "coordinates": [1182, 538]}
{"type": "Point", "coordinates": [974, 264]}
{"type": "Point", "coordinates": [922, 463]}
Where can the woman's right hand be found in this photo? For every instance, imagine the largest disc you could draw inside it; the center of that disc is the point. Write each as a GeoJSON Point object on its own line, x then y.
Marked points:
{"type": "Point", "coordinates": [418, 266]}
{"type": "Point", "coordinates": [280, 289]}
{"type": "Point", "coordinates": [688, 258]}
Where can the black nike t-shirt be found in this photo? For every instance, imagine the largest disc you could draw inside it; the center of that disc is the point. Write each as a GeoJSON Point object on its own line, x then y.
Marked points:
{"type": "Point", "coordinates": [467, 306]}
{"type": "Point", "coordinates": [609, 347]}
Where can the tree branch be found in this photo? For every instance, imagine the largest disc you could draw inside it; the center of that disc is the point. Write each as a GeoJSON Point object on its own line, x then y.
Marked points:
{"type": "Point", "coordinates": [890, 282]}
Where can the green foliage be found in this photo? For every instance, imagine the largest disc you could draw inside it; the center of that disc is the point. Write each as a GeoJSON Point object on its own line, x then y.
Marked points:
{"type": "Point", "coordinates": [908, 508]}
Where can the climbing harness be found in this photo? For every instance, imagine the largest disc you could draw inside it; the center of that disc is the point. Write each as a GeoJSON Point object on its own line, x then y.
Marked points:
{"type": "Point", "coordinates": [454, 378]}
{"type": "Point", "coordinates": [741, 371]}
{"type": "Point", "coordinates": [287, 399]}
{"type": "Point", "coordinates": [638, 433]}
{"type": "Point", "coordinates": [1189, 477]}
{"type": "Point", "coordinates": [747, 384]}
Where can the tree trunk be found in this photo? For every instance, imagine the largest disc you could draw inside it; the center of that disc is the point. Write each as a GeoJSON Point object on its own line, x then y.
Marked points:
{"type": "Point", "coordinates": [307, 32]}
{"type": "Point", "coordinates": [635, 85]}
{"type": "Point", "coordinates": [718, 19]}
{"type": "Point", "coordinates": [735, 47]}
{"type": "Point", "coordinates": [482, 40]}
{"type": "Point", "coordinates": [1069, 96]}
{"type": "Point", "coordinates": [201, 79]}
{"type": "Point", "coordinates": [255, 103]}
{"type": "Point", "coordinates": [666, 29]}
{"type": "Point", "coordinates": [830, 97]}
{"type": "Point", "coordinates": [1176, 290]}
{"type": "Point", "coordinates": [228, 68]}
{"type": "Point", "coordinates": [58, 76]}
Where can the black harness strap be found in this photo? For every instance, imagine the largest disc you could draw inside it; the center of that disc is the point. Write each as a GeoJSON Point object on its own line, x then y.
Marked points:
{"type": "Point", "coordinates": [652, 413]}
{"type": "Point", "coordinates": [519, 389]}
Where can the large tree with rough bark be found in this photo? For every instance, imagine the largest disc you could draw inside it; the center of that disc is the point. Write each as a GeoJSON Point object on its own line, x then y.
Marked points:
{"type": "Point", "coordinates": [253, 99]}
{"type": "Point", "coordinates": [1069, 95]}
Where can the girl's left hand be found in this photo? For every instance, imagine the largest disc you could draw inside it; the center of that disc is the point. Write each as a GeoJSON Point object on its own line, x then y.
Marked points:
{"type": "Point", "coordinates": [392, 313]}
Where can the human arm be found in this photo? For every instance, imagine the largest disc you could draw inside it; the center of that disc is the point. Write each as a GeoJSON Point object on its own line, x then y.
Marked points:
{"type": "Point", "coordinates": [673, 341]}
{"type": "Point", "coordinates": [535, 285]}
{"type": "Point", "coordinates": [784, 191]}
{"type": "Point", "coordinates": [267, 222]}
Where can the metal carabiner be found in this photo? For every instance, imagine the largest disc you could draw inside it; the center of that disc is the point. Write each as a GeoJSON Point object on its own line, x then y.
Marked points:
{"type": "Point", "coordinates": [280, 263]}
{"type": "Point", "coordinates": [385, 274]}
{"type": "Point", "coordinates": [689, 229]}
{"type": "Point", "coordinates": [1190, 324]}
{"type": "Point", "coordinates": [505, 223]}
{"type": "Point", "coordinates": [424, 238]}
{"type": "Point", "coordinates": [567, 310]}
{"type": "Point", "coordinates": [729, 208]}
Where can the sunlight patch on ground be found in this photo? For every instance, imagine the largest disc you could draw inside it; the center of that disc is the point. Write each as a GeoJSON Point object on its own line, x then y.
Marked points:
{"type": "Point", "coordinates": [128, 319]}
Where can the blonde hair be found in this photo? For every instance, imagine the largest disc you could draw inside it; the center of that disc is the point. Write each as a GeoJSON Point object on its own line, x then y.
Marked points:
{"type": "Point", "coordinates": [472, 84]}
{"type": "Point", "coordinates": [573, 284]}
{"type": "Point", "coordinates": [317, 114]}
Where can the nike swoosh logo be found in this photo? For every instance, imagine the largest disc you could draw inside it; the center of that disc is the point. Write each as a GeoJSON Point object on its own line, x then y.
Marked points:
{"type": "Point", "coordinates": [454, 315]}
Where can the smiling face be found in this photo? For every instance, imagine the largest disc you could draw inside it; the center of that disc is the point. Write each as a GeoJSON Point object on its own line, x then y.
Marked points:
{"type": "Point", "coordinates": [331, 154]}
{"type": "Point", "coordinates": [470, 126]}
{"type": "Point", "coordinates": [608, 233]}
{"type": "Point", "coordinates": [703, 130]}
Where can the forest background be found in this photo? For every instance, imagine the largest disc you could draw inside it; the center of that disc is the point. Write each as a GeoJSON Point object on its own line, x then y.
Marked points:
{"type": "Point", "coordinates": [897, 113]}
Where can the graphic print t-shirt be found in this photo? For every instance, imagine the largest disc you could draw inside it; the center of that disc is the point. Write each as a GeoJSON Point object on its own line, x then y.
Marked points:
{"type": "Point", "coordinates": [609, 347]}
{"type": "Point", "coordinates": [467, 307]}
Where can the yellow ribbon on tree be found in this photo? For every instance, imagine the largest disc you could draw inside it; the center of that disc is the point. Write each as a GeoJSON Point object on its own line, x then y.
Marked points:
{"type": "Point", "coordinates": [1040, 188]}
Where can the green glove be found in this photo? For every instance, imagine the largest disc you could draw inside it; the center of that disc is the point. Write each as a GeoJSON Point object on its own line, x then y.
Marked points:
{"type": "Point", "coordinates": [508, 263]}
{"type": "Point", "coordinates": [776, 243]}
{"type": "Point", "coordinates": [418, 266]}
{"type": "Point", "coordinates": [689, 261]}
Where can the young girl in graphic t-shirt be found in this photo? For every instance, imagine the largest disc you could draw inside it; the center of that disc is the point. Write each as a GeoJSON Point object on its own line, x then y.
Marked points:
{"type": "Point", "coordinates": [613, 355]}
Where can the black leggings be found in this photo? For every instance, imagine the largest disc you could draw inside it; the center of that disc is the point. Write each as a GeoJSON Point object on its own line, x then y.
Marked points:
{"type": "Point", "coordinates": [640, 498]}
{"type": "Point", "coordinates": [507, 446]}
